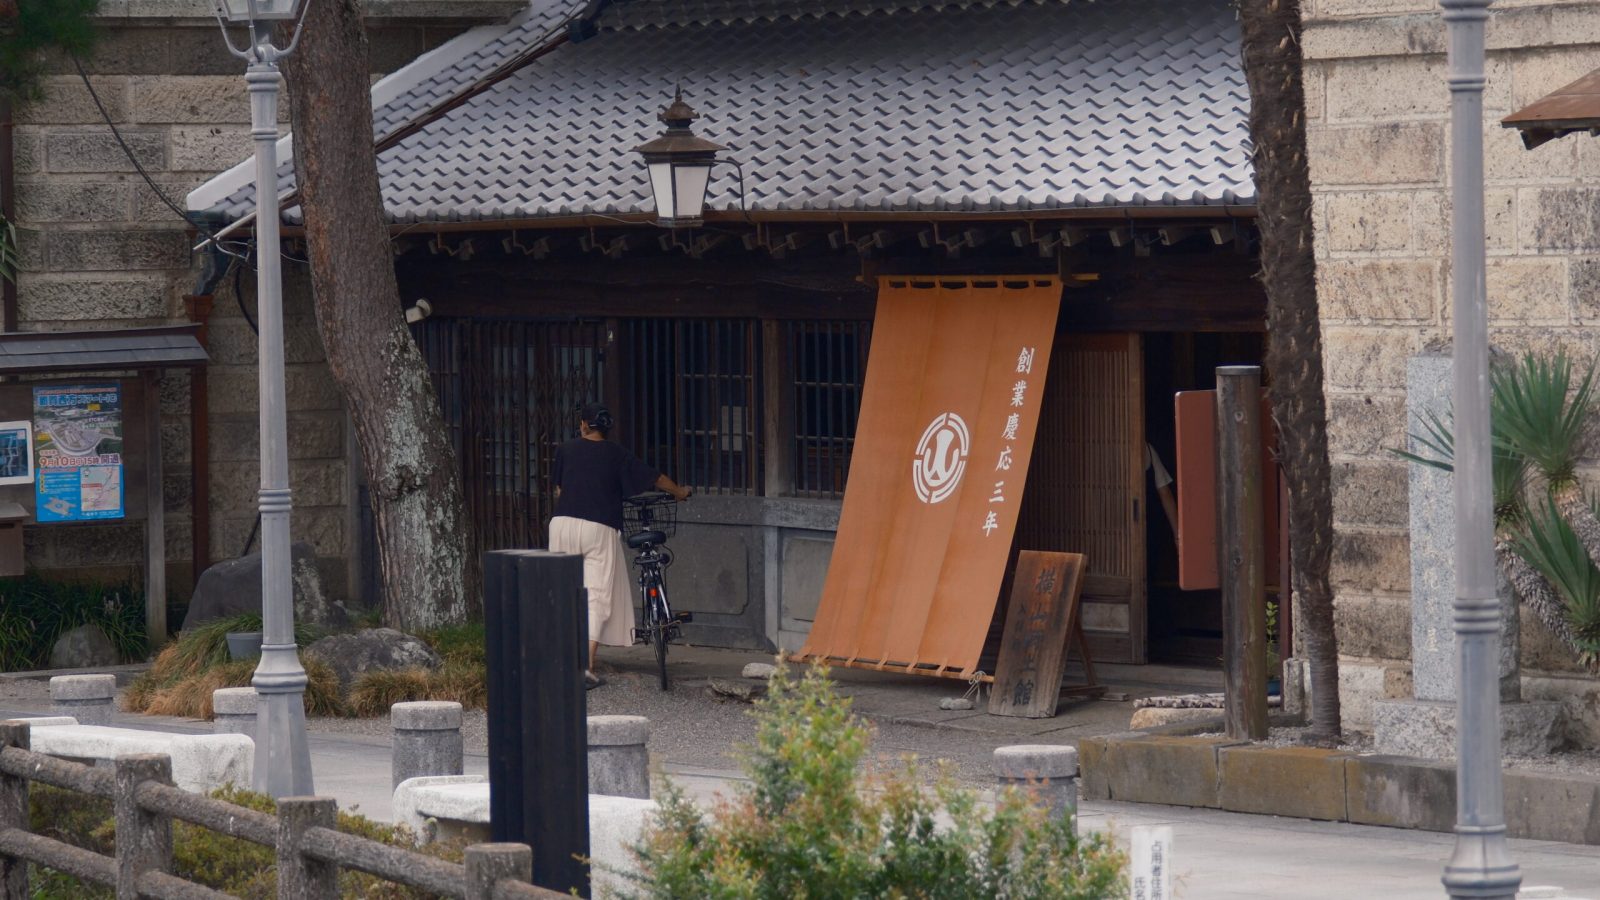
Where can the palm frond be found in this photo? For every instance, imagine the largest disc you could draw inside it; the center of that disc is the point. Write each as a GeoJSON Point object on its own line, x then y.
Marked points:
{"type": "Point", "coordinates": [10, 262]}
{"type": "Point", "coordinates": [1550, 546]}
{"type": "Point", "coordinates": [1508, 468]}
{"type": "Point", "coordinates": [1538, 414]}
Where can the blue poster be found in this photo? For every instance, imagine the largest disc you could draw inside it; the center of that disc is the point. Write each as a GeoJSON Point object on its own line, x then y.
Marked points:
{"type": "Point", "coordinates": [78, 452]}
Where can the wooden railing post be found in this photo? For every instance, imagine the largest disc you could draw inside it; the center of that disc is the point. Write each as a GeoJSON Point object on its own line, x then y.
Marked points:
{"type": "Point", "coordinates": [144, 839]}
{"type": "Point", "coordinates": [299, 876]}
{"type": "Point", "coordinates": [487, 864]}
{"type": "Point", "coordinates": [13, 814]}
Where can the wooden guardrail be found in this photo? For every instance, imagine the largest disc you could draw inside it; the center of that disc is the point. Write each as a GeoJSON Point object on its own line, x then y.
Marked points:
{"type": "Point", "coordinates": [310, 850]}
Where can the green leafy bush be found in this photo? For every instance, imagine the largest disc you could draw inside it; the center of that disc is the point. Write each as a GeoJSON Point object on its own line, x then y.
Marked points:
{"type": "Point", "coordinates": [35, 612]}
{"type": "Point", "coordinates": [808, 826]}
{"type": "Point", "coordinates": [206, 857]}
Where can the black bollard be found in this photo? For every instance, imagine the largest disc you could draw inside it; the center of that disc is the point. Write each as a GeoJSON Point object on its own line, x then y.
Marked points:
{"type": "Point", "coordinates": [537, 621]}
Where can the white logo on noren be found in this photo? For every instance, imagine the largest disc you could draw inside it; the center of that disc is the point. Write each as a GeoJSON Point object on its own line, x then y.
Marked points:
{"type": "Point", "coordinates": [941, 458]}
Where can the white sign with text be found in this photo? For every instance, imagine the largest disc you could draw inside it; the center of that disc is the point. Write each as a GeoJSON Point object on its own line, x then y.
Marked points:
{"type": "Point", "coordinates": [1150, 862]}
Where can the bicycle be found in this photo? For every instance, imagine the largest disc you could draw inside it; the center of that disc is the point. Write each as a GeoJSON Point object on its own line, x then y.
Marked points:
{"type": "Point", "coordinates": [650, 518]}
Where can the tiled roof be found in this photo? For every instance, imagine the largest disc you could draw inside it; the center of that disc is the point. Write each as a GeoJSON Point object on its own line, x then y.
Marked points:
{"type": "Point", "coordinates": [956, 108]}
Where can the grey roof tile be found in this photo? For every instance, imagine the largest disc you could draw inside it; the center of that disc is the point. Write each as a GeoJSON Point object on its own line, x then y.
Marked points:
{"type": "Point", "coordinates": [954, 106]}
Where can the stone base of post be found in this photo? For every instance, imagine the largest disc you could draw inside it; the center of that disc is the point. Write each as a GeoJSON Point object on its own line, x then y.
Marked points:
{"type": "Point", "coordinates": [88, 698]}
{"type": "Point", "coordinates": [1048, 770]}
{"type": "Point", "coordinates": [619, 756]}
{"type": "Point", "coordinates": [233, 710]}
{"type": "Point", "coordinates": [1427, 728]}
{"type": "Point", "coordinates": [427, 739]}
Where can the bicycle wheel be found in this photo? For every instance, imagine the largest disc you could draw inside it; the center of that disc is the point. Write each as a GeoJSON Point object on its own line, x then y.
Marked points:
{"type": "Point", "coordinates": [658, 634]}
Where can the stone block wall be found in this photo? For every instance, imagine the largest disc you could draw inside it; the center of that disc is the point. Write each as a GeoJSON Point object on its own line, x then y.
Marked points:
{"type": "Point", "coordinates": [1378, 135]}
{"type": "Point", "coordinates": [100, 249]}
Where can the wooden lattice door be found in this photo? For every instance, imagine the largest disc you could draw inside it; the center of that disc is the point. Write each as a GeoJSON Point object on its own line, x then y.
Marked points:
{"type": "Point", "coordinates": [1086, 491]}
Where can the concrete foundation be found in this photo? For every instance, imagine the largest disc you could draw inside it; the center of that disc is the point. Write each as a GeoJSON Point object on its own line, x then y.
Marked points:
{"type": "Point", "coordinates": [1427, 729]}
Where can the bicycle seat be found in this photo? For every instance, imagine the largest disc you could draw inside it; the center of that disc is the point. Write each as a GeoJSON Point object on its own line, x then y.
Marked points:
{"type": "Point", "coordinates": [646, 538]}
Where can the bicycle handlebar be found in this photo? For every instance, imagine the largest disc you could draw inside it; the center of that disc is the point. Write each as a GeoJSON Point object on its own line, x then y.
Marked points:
{"type": "Point", "coordinates": [649, 497]}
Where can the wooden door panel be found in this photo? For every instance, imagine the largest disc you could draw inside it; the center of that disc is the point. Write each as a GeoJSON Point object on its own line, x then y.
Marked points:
{"type": "Point", "coordinates": [1086, 492]}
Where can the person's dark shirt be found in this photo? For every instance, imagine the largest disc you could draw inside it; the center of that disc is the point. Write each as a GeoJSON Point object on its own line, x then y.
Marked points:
{"type": "Point", "coordinates": [595, 477]}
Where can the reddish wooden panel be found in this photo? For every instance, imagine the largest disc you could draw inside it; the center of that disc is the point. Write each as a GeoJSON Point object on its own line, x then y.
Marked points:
{"type": "Point", "coordinates": [1195, 478]}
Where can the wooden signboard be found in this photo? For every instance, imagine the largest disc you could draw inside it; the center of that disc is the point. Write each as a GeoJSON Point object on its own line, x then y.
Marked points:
{"type": "Point", "coordinates": [1042, 618]}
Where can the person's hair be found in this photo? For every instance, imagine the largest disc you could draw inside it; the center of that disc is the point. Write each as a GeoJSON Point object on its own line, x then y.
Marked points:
{"type": "Point", "coordinates": [596, 416]}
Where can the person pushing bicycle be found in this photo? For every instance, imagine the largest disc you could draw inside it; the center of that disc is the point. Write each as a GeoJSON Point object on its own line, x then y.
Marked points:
{"type": "Point", "coordinates": [592, 477]}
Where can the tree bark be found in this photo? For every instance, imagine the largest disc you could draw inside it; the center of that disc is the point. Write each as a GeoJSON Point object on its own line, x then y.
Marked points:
{"type": "Point", "coordinates": [1534, 590]}
{"type": "Point", "coordinates": [1272, 65]}
{"type": "Point", "coordinates": [1574, 507]}
{"type": "Point", "coordinates": [429, 577]}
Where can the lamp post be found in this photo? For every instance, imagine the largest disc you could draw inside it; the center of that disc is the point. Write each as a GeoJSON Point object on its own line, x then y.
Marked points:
{"type": "Point", "coordinates": [1481, 866]}
{"type": "Point", "coordinates": [679, 162]}
{"type": "Point", "coordinates": [282, 759]}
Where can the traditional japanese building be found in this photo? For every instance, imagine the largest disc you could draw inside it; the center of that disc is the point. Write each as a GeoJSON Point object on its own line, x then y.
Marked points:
{"type": "Point", "coordinates": [1098, 149]}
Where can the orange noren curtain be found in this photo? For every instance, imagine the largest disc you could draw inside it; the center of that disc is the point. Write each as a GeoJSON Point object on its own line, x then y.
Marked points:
{"type": "Point", "coordinates": [955, 381]}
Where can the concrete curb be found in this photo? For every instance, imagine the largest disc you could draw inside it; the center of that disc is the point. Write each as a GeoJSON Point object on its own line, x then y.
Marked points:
{"type": "Point", "coordinates": [1329, 785]}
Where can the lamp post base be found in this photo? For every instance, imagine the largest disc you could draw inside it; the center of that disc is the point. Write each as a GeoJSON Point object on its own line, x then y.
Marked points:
{"type": "Point", "coordinates": [283, 756]}
{"type": "Point", "coordinates": [1481, 866]}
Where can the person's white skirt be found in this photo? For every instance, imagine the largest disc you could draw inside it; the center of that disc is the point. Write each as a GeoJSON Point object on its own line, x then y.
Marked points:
{"type": "Point", "coordinates": [605, 575]}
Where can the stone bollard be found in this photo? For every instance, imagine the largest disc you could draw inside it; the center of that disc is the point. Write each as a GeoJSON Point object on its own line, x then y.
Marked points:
{"type": "Point", "coordinates": [1049, 769]}
{"type": "Point", "coordinates": [427, 739]}
{"type": "Point", "coordinates": [619, 756]}
{"type": "Point", "coordinates": [87, 698]}
{"type": "Point", "coordinates": [233, 711]}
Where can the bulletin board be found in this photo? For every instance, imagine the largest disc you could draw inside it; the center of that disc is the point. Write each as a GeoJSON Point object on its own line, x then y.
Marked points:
{"type": "Point", "coordinates": [88, 443]}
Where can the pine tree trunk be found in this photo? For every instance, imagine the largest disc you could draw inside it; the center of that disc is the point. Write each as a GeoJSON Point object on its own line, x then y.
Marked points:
{"type": "Point", "coordinates": [1272, 64]}
{"type": "Point", "coordinates": [429, 578]}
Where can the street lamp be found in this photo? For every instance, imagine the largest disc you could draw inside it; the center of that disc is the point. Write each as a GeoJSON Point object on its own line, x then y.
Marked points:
{"type": "Point", "coordinates": [283, 759]}
{"type": "Point", "coordinates": [679, 162]}
{"type": "Point", "coordinates": [1481, 865]}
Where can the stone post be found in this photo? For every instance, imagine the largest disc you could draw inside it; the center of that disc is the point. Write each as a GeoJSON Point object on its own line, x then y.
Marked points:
{"type": "Point", "coordinates": [87, 698]}
{"type": "Point", "coordinates": [1426, 726]}
{"type": "Point", "coordinates": [298, 874]}
{"type": "Point", "coordinates": [1049, 769]}
{"type": "Point", "coordinates": [489, 864]}
{"type": "Point", "coordinates": [143, 839]}
{"type": "Point", "coordinates": [427, 739]}
{"type": "Point", "coordinates": [619, 756]}
{"type": "Point", "coordinates": [233, 710]}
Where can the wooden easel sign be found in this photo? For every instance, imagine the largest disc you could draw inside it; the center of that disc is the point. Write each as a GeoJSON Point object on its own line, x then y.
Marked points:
{"type": "Point", "coordinates": [1042, 618]}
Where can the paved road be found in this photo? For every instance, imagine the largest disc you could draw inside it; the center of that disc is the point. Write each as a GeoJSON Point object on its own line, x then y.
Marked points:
{"type": "Point", "coordinates": [1218, 855]}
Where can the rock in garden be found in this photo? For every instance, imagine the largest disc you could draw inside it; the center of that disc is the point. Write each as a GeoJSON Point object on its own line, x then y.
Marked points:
{"type": "Point", "coordinates": [736, 690]}
{"type": "Point", "coordinates": [955, 703]}
{"type": "Point", "coordinates": [759, 670]}
{"type": "Point", "coordinates": [352, 655]}
{"type": "Point", "coordinates": [233, 587]}
{"type": "Point", "coordinates": [1153, 716]}
{"type": "Point", "coordinates": [84, 647]}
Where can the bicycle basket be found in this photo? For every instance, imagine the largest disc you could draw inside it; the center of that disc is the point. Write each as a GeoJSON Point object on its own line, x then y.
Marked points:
{"type": "Point", "coordinates": [651, 515]}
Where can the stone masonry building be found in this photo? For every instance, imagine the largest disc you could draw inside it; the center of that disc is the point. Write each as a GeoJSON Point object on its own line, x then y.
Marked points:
{"type": "Point", "coordinates": [100, 249]}
{"type": "Point", "coordinates": [1378, 115]}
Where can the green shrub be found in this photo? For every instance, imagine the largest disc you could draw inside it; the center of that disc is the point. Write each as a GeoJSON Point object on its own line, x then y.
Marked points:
{"type": "Point", "coordinates": [34, 612]}
{"type": "Point", "coordinates": [207, 857]}
{"type": "Point", "coordinates": [807, 825]}
{"type": "Point", "coordinates": [458, 643]}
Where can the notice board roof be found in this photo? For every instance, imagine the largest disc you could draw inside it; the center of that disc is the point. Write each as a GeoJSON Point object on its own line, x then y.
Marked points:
{"type": "Point", "coordinates": [120, 349]}
{"type": "Point", "coordinates": [1575, 107]}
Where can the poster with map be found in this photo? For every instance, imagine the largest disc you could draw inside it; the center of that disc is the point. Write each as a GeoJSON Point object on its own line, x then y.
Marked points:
{"type": "Point", "coordinates": [78, 452]}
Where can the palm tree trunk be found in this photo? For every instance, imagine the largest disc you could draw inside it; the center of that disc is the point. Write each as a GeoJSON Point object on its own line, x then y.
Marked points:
{"type": "Point", "coordinates": [1535, 591]}
{"type": "Point", "coordinates": [429, 577]}
{"type": "Point", "coordinates": [1272, 65]}
{"type": "Point", "coordinates": [1575, 509]}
